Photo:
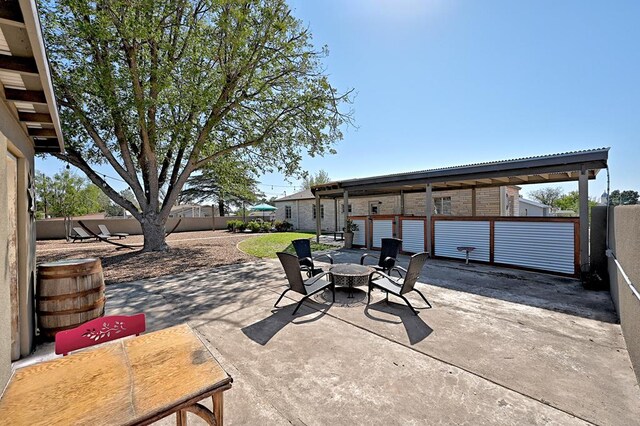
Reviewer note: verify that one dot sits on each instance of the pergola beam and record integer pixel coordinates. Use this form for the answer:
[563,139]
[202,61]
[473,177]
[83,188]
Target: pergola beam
[18,64]
[31,96]
[36,117]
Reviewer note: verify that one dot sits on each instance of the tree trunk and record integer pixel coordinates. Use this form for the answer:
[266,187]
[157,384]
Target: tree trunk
[221,206]
[154,234]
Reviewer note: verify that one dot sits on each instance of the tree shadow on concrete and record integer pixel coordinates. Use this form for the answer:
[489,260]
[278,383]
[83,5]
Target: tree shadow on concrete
[417,330]
[264,330]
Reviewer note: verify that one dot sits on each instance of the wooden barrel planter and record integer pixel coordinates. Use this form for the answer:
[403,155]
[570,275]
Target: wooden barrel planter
[68,293]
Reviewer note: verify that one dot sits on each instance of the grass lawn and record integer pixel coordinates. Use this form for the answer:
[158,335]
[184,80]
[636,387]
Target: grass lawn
[267,245]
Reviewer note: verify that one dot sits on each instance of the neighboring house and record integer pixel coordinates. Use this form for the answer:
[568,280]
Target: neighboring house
[193,210]
[29,124]
[299,209]
[533,208]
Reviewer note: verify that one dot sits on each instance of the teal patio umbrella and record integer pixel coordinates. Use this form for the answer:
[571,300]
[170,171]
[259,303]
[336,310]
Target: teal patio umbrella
[263,208]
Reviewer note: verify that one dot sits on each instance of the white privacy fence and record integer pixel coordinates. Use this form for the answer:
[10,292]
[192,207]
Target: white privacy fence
[547,244]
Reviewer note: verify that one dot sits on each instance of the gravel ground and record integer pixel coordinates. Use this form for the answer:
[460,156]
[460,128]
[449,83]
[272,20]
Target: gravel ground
[189,251]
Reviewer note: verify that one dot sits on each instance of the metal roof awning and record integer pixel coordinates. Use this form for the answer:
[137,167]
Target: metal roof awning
[25,77]
[521,171]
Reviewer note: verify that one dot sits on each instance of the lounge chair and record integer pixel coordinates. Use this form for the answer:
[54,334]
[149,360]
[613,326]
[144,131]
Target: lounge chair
[399,286]
[296,283]
[303,250]
[388,255]
[80,235]
[104,233]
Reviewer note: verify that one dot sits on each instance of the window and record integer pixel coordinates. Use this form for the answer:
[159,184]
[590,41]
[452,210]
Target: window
[442,205]
[321,211]
[374,207]
[287,212]
[342,208]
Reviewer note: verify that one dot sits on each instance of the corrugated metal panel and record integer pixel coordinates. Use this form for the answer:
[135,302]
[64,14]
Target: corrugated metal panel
[450,234]
[413,236]
[381,229]
[542,245]
[359,235]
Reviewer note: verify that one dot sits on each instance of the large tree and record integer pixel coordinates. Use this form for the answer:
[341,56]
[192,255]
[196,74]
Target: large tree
[158,89]
[315,179]
[66,194]
[627,197]
[548,195]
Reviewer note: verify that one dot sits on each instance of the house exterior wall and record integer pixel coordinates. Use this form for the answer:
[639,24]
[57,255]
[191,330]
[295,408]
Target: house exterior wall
[13,140]
[624,241]
[527,209]
[488,203]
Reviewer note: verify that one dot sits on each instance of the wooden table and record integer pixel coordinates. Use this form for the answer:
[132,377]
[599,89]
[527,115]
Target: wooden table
[130,381]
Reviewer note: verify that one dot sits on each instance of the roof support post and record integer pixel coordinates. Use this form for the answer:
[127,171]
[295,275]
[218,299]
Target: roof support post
[335,214]
[583,191]
[429,207]
[345,208]
[318,219]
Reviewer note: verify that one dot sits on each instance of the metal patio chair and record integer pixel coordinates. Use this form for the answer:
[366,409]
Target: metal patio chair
[305,258]
[307,288]
[388,255]
[401,286]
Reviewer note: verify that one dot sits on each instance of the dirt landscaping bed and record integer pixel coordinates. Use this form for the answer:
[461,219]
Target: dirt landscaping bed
[189,251]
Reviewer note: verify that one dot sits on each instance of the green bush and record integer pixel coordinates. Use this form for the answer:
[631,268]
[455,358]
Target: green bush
[282,226]
[235,225]
[254,226]
[265,227]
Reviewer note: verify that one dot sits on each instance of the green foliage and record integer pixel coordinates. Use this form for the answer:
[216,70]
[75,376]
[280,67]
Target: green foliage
[548,195]
[254,226]
[351,226]
[627,197]
[236,225]
[265,227]
[161,89]
[282,226]
[317,179]
[266,246]
[571,201]
[67,194]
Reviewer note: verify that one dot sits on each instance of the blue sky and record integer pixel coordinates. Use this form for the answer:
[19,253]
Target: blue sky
[444,82]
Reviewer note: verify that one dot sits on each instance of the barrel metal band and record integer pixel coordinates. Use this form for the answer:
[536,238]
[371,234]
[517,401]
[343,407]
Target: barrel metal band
[71,295]
[97,304]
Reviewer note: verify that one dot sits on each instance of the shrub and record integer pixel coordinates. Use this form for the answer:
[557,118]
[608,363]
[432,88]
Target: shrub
[265,227]
[254,226]
[235,225]
[282,226]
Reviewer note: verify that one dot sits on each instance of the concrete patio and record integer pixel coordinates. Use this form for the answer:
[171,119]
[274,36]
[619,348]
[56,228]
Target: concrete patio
[498,347]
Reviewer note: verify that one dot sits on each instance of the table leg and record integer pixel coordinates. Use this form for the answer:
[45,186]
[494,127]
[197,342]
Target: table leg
[181,418]
[217,407]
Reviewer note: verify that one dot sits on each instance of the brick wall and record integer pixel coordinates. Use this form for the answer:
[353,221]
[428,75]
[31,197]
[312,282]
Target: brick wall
[487,204]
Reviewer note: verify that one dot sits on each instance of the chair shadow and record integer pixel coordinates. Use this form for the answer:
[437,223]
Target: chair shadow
[417,330]
[264,330]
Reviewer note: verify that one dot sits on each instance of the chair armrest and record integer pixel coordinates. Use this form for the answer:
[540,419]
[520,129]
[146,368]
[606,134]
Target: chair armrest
[327,255]
[398,269]
[313,279]
[365,255]
[390,278]
[306,261]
